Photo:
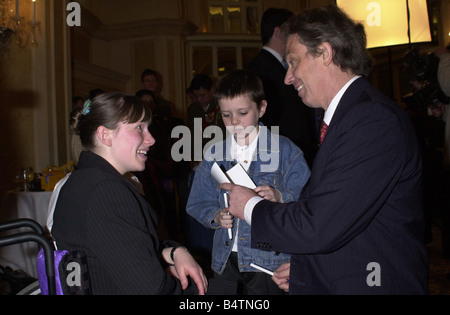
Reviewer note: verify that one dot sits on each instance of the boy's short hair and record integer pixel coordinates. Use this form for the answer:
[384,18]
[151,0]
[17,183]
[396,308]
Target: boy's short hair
[240,83]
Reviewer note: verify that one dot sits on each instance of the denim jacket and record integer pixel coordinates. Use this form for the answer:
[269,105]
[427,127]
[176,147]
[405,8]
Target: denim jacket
[278,163]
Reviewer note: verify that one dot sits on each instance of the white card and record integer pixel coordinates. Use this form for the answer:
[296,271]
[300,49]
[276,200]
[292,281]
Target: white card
[236,175]
[218,174]
[240,177]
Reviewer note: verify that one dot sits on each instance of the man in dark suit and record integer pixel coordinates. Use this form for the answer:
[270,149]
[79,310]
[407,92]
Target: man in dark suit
[358,226]
[284,108]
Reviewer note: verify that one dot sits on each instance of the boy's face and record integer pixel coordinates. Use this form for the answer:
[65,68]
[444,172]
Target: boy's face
[241,117]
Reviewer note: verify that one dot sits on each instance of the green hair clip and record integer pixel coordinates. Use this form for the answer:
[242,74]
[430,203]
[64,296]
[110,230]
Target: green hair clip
[86,107]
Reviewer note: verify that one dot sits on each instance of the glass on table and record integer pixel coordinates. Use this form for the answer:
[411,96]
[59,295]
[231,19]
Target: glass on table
[24,178]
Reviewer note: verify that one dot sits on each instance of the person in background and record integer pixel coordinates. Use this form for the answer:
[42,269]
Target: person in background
[284,108]
[444,69]
[444,82]
[190,95]
[240,96]
[159,173]
[203,113]
[358,226]
[151,80]
[204,108]
[100,212]
[149,177]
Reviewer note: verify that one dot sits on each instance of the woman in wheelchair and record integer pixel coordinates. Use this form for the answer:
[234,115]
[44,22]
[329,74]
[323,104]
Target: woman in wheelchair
[99,212]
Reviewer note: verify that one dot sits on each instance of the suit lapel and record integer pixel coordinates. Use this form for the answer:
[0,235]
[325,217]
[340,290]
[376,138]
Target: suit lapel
[350,97]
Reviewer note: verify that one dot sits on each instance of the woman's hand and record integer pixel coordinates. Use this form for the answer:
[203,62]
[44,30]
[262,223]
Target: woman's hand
[184,266]
[269,193]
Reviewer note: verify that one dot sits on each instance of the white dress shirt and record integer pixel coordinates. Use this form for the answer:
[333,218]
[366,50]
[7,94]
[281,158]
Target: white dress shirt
[243,155]
[274,53]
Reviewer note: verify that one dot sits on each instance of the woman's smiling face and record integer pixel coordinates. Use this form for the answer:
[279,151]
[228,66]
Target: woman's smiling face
[130,146]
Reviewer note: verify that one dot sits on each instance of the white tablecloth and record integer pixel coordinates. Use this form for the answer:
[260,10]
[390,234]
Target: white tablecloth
[18,205]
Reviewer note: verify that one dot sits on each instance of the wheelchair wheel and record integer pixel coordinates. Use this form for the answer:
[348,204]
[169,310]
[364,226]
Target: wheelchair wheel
[32,289]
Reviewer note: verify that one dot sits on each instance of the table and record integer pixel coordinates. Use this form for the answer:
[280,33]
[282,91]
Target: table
[18,205]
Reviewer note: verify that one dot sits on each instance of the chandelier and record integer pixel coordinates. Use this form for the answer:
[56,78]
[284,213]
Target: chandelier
[14,27]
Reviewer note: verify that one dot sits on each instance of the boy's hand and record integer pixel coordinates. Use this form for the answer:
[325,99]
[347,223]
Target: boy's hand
[269,193]
[224,218]
[238,198]
[281,276]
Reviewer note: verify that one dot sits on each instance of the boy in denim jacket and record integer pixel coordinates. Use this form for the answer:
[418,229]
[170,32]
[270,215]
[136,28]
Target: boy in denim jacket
[274,163]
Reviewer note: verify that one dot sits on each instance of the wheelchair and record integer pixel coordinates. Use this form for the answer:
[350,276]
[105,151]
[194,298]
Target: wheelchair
[37,235]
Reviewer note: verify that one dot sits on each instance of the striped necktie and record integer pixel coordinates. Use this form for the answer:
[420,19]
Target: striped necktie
[323,131]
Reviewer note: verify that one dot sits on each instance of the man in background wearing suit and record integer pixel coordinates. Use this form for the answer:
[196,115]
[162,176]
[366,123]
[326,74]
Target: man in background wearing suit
[284,108]
[358,225]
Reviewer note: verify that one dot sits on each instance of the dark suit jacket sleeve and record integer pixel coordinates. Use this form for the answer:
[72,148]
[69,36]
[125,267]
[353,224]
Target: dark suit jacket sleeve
[351,180]
[133,261]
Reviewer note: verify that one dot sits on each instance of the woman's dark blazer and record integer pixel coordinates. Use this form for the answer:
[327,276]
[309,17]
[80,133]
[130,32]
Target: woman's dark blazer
[100,212]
